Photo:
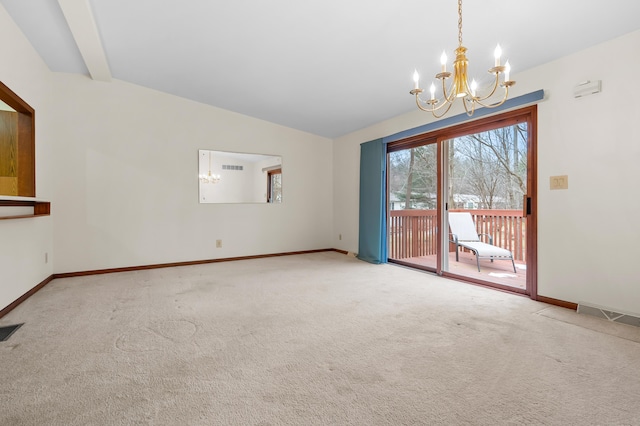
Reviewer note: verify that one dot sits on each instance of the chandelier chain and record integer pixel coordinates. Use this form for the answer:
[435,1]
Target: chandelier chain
[460,22]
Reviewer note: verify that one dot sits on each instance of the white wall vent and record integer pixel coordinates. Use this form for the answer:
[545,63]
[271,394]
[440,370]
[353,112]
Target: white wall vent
[587,88]
[231,167]
[609,314]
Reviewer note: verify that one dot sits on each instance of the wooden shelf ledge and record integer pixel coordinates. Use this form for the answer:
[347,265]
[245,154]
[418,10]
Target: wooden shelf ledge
[40,208]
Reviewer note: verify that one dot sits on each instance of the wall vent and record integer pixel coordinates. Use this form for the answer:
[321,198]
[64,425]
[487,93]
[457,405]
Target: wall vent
[7,331]
[587,88]
[231,167]
[609,314]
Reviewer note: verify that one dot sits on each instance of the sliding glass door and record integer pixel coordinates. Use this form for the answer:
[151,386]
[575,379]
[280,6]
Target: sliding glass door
[485,185]
[413,205]
[475,183]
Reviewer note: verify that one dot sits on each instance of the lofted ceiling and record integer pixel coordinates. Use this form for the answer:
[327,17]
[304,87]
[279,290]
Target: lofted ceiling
[326,67]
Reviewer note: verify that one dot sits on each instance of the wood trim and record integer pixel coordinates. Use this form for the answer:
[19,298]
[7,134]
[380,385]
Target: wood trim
[486,284]
[187,263]
[40,208]
[558,302]
[412,265]
[532,192]
[31,292]
[14,101]
[526,114]
[441,151]
[18,301]
[26,141]
[473,126]
[25,296]
[26,155]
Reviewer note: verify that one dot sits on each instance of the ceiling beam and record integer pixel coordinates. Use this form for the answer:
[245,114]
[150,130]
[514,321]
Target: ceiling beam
[85,32]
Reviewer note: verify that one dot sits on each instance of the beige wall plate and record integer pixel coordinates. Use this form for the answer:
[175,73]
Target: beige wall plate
[559,182]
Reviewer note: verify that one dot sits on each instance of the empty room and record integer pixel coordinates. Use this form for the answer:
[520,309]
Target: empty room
[319,213]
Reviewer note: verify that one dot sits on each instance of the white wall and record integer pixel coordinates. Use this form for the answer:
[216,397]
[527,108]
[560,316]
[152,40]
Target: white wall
[127,189]
[586,237]
[24,242]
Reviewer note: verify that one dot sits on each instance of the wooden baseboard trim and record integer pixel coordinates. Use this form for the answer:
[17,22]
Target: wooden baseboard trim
[14,304]
[18,301]
[25,296]
[31,292]
[188,263]
[558,302]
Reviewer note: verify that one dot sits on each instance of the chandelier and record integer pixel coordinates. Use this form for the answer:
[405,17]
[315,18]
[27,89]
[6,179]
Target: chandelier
[460,87]
[209,178]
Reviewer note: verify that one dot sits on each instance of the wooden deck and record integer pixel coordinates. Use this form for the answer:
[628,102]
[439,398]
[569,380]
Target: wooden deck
[498,271]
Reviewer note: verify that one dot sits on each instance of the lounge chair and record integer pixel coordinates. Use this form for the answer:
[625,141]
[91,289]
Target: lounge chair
[464,234]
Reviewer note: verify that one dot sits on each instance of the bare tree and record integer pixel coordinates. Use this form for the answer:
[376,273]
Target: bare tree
[490,167]
[495,162]
[412,177]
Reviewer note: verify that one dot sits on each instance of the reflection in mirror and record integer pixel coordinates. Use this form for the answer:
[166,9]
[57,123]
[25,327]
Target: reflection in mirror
[234,177]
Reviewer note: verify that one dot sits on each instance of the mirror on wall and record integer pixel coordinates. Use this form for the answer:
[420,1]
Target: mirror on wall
[235,177]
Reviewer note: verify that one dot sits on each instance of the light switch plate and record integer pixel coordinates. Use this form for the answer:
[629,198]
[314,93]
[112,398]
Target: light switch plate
[559,182]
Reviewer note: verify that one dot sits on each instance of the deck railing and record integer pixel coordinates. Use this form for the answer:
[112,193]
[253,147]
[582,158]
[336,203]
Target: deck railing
[412,233]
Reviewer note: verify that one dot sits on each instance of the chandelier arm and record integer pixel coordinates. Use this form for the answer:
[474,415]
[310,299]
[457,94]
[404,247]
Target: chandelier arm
[504,99]
[465,100]
[418,100]
[432,103]
[451,96]
[449,104]
[493,90]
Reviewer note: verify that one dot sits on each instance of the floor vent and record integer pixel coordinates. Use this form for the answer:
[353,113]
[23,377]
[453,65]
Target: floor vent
[8,330]
[609,315]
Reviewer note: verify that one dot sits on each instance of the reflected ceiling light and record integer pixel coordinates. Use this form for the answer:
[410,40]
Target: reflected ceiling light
[209,178]
[460,86]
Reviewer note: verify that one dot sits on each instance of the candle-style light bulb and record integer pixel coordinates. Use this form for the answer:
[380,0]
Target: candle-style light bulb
[443,61]
[497,53]
[416,79]
[432,89]
[474,86]
[507,70]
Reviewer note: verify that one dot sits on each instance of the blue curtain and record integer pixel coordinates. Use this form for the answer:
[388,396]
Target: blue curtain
[372,243]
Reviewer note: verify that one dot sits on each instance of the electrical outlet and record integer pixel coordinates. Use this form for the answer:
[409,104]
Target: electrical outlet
[218,243]
[340,236]
[46,257]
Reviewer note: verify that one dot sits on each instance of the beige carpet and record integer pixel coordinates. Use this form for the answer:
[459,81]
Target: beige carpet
[318,339]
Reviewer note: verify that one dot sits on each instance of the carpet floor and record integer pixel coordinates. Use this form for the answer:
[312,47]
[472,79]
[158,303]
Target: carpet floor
[314,339]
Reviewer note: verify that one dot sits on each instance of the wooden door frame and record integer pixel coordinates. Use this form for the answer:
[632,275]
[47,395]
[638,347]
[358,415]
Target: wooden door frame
[528,115]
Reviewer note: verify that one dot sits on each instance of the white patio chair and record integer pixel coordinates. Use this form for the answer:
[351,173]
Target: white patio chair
[464,234]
